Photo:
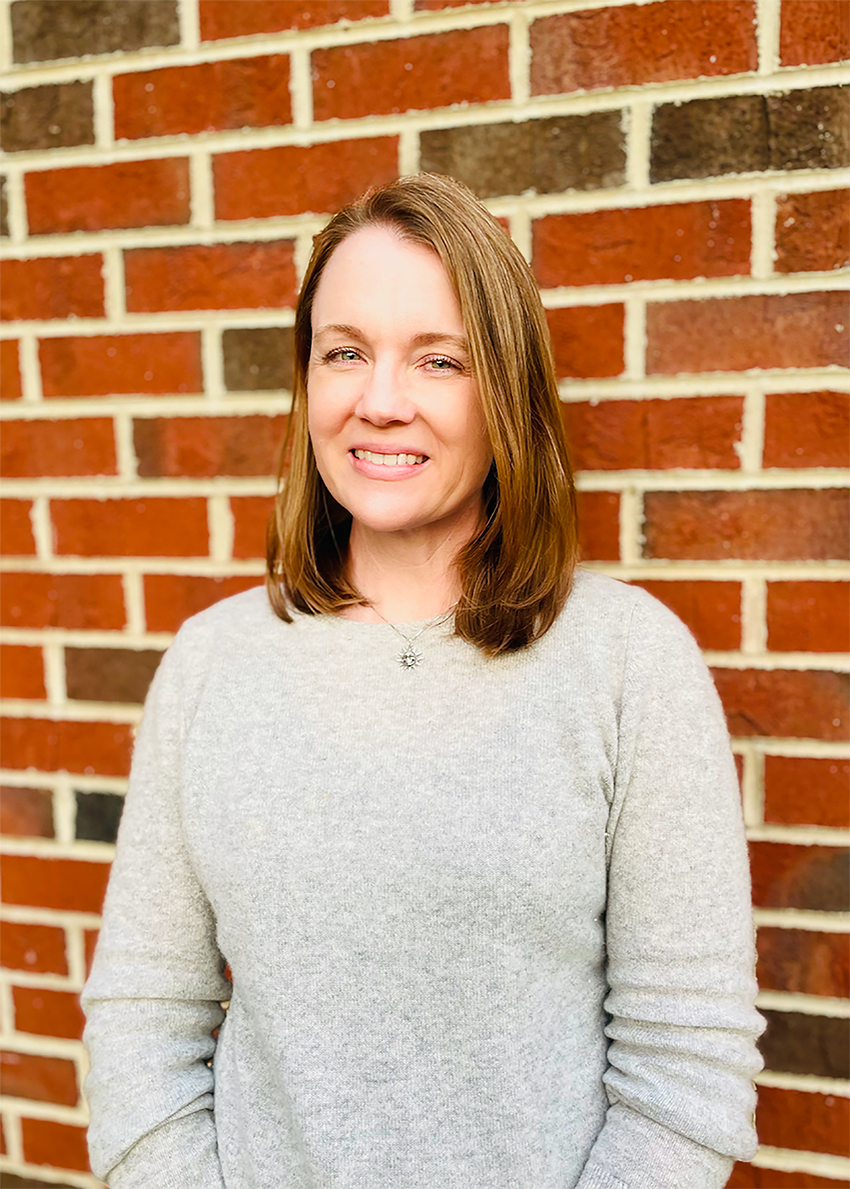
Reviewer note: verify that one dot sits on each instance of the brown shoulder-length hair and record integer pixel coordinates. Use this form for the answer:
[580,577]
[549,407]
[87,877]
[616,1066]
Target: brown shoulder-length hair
[515,575]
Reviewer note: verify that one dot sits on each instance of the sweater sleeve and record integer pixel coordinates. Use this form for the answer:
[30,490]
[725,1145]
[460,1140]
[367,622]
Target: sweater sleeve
[682,1023]
[153,996]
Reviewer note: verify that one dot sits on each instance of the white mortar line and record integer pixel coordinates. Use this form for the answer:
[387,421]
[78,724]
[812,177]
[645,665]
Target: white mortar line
[113,282]
[72,711]
[6,63]
[104,113]
[520,225]
[631,525]
[797,918]
[33,915]
[763,213]
[202,213]
[42,529]
[14,1138]
[807,1082]
[806,1005]
[64,812]
[31,392]
[212,366]
[767,34]
[752,794]
[638,124]
[754,616]
[16,215]
[634,333]
[125,452]
[49,848]
[134,599]
[752,433]
[190,31]
[301,87]
[303,251]
[75,950]
[54,673]
[408,152]
[221,527]
[519,58]
[401,10]
[800,835]
[785,1160]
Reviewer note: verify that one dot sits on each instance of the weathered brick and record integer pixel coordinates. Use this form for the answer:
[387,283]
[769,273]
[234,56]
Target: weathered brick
[809,129]
[21,671]
[110,674]
[150,527]
[588,341]
[51,287]
[37,948]
[16,535]
[583,152]
[813,230]
[211,277]
[49,117]
[813,31]
[222,18]
[599,525]
[204,447]
[794,1042]
[258,359]
[803,961]
[250,516]
[121,364]
[10,370]
[207,97]
[47,1012]
[610,247]
[786,703]
[807,429]
[294,178]
[78,446]
[43,30]
[415,73]
[620,435]
[87,748]
[712,610]
[45,1079]
[808,616]
[806,791]
[60,1145]
[172,598]
[635,44]
[26,812]
[750,1176]
[69,884]
[153,193]
[98,816]
[801,1119]
[74,601]
[726,334]
[806,877]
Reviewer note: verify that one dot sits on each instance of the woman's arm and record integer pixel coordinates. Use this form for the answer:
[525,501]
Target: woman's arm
[679,931]
[152,999]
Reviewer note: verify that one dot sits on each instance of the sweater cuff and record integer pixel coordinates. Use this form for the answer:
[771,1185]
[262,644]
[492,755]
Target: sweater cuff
[180,1153]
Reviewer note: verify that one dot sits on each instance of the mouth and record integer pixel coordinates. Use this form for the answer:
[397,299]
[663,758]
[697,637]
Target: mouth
[390,460]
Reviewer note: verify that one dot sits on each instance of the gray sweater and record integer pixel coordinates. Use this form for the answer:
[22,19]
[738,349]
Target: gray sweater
[488,920]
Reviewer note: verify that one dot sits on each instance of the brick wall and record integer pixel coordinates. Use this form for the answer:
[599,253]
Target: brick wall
[670,170]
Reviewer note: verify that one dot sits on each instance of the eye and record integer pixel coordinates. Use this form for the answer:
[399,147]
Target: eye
[442,363]
[341,355]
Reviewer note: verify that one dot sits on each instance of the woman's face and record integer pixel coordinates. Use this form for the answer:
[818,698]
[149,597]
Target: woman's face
[393,408]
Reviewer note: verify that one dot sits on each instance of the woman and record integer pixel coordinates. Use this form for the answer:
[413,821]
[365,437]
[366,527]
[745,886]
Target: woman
[463,822]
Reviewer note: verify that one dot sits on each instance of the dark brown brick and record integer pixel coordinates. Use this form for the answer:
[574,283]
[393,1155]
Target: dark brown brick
[583,152]
[806,877]
[110,674]
[813,231]
[4,208]
[203,447]
[809,129]
[707,137]
[26,812]
[98,816]
[43,30]
[803,961]
[798,1043]
[258,359]
[47,117]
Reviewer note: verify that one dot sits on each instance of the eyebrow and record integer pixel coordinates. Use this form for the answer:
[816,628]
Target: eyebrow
[426,339]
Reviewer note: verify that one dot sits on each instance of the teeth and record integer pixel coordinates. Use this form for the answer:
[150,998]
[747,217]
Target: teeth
[390,460]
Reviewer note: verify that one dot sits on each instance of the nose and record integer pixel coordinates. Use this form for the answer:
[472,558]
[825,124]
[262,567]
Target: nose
[383,397]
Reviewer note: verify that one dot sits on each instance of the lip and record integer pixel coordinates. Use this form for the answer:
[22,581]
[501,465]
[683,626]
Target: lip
[373,470]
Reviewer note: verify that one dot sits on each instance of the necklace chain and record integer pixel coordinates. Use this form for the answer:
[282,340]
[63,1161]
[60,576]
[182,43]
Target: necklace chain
[410,657]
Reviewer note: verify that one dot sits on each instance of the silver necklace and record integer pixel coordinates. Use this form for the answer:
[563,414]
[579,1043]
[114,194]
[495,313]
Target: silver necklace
[410,657]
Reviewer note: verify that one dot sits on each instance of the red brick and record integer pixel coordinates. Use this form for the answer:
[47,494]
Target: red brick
[90,937]
[211,277]
[753,525]
[88,748]
[798,1119]
[813,231]
[51,287]
[48,1013]
[171,598]
[807,429]
[734,334]
[748,1176]
[152,193]
[712,610]
[121,364]
[21,671]
[204,447]
[609,247]
[808,616]
[82,446]
[54,883]
[250,516]
[150,527]
[207,97]
[223,18]
[805,791]
[814,31]
[807,877]
[75,601]
[16,527]
[295,178]
[10,370]
[803,961]
[587,341]
[787,703]
[599,525]
[416,73]
[45,1079]
[25,812]
[37,948]
[59,1145]
[635,44]
[622,435]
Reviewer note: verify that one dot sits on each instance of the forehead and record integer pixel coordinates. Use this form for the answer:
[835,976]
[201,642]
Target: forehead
[376,274]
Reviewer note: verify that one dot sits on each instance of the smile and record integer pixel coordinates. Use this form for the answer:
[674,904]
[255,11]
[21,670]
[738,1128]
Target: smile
[390,460]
